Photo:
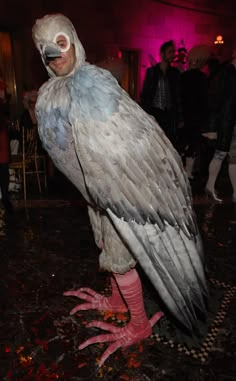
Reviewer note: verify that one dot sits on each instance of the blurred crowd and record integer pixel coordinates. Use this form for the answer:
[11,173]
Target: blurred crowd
[192,97]
[11,141]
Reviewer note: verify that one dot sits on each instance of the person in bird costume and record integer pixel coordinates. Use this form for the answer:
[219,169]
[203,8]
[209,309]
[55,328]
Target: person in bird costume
[132,178]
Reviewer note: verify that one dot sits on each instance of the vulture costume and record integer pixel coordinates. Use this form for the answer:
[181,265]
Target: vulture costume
[132,178]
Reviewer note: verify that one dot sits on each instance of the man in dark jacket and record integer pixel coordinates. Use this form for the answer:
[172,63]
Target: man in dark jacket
[225,125]
[161,96]
[195,105]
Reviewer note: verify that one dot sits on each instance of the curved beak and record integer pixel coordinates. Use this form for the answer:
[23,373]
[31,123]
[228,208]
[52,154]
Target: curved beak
[50,52]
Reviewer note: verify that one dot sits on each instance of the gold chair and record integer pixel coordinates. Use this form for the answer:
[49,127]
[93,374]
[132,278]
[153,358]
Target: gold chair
[30,161]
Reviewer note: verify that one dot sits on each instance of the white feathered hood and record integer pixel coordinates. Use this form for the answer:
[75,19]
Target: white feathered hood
[45,31]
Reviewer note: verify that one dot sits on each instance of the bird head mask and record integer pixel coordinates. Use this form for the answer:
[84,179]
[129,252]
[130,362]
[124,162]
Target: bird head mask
[53,35]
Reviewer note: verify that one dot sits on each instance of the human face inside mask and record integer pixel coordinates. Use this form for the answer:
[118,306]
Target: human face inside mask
[64,64]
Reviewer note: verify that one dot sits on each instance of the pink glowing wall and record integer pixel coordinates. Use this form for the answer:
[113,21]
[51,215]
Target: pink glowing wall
[145,25]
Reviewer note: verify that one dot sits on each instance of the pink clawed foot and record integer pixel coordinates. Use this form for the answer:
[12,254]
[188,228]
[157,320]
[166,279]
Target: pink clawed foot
[120,337]
[95,301]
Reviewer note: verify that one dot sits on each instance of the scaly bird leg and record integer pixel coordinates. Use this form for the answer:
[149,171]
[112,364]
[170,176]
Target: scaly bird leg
[138,328]
[97,301]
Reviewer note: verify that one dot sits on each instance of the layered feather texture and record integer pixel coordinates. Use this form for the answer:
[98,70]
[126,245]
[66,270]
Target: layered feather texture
[131,171]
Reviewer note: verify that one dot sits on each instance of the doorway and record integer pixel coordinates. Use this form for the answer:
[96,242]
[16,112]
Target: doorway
[130,82]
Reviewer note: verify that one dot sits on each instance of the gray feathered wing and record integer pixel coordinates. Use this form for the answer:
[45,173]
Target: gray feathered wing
[132,171]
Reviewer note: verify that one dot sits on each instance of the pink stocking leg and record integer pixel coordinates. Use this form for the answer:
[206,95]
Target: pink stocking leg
[116,300]
[131,289]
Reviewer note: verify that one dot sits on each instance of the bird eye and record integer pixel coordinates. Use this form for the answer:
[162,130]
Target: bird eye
[63,42]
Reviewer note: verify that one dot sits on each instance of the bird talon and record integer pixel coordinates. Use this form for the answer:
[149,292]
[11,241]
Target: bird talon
[120,337]
[96,301]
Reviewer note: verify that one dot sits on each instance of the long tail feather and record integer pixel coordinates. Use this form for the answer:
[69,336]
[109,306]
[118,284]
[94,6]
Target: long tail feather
[173,263]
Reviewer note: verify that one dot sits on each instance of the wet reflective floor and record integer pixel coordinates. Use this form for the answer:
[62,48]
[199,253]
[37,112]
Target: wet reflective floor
[48,248]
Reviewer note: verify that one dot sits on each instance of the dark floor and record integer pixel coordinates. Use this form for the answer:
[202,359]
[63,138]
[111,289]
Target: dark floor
[48,248]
